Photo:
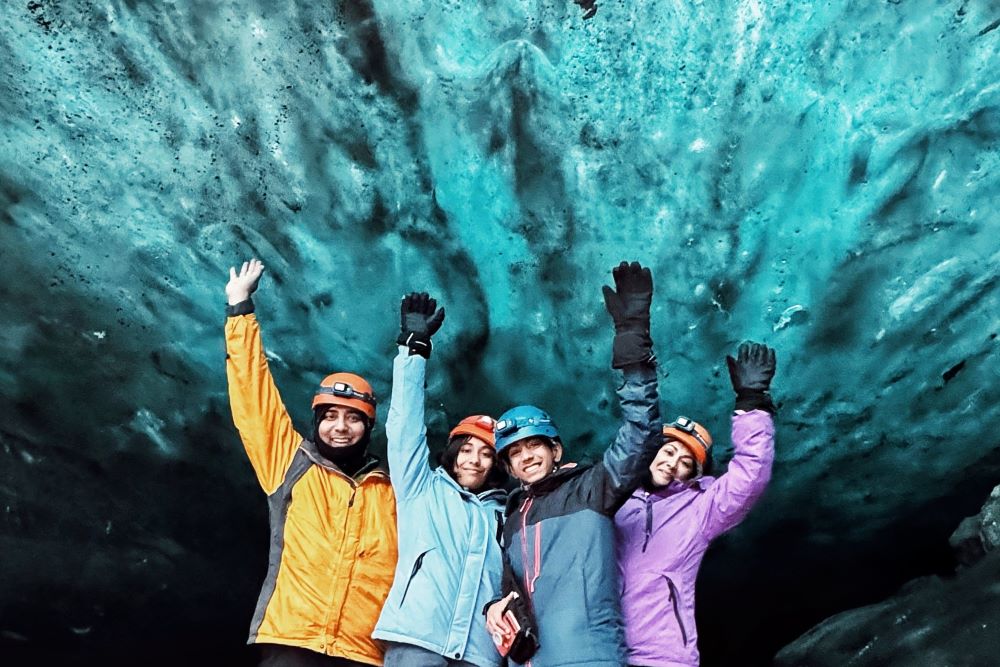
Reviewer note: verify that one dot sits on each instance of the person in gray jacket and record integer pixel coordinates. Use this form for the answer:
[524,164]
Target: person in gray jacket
[559,537]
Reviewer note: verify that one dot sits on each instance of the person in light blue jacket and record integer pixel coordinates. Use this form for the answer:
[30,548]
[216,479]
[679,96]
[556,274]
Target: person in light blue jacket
[449,519]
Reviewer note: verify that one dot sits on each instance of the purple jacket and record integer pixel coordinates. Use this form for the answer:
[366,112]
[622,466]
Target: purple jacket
[662,537]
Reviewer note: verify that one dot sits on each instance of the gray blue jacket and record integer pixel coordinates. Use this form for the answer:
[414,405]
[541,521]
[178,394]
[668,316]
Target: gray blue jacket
[450,563]
[559,537]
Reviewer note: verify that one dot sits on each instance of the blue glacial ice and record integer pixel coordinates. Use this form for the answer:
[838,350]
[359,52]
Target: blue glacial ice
[824,177]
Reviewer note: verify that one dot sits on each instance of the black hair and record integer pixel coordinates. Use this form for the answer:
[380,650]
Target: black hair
[706,468]
[495,479]
[504,456]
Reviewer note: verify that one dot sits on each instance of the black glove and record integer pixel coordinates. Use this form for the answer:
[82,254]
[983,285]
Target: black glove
[629,307]
[589,8]
[751,372]
[418,321]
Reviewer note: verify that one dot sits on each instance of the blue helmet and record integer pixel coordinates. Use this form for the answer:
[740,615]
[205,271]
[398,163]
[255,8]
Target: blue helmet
[522,422]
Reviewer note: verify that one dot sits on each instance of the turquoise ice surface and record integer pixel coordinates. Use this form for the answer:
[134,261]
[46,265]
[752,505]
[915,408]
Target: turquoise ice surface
[822,177]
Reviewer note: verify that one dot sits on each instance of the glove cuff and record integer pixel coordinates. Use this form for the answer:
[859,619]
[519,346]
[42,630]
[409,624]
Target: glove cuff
[755,400]
[633,324]
[631,347]
[417,343]
[241,308]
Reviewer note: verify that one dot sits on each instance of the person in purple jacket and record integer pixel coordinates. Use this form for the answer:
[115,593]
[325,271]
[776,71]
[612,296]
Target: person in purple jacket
[664,528]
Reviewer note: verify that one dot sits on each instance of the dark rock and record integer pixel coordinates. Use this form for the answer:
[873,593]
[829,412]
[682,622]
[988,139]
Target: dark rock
[989,522]
[965,542]
[953,621]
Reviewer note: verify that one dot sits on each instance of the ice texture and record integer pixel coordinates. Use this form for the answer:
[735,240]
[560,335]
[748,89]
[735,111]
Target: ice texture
[822,177]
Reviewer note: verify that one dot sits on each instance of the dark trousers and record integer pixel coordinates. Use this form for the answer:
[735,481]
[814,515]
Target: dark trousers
[407,655]
[276,655]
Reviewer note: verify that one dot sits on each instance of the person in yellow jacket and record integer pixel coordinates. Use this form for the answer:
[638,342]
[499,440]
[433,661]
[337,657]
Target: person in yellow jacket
[332,509]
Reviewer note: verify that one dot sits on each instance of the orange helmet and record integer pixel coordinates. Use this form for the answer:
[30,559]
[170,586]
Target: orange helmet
[347,389]
[479,426]
[692,435]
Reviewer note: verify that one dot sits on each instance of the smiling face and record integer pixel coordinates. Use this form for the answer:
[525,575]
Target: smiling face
[533,458]
[672,462]
[473,463]
[341,426]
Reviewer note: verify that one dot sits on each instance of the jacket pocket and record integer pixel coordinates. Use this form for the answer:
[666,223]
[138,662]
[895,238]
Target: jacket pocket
[417,564]
[675,602]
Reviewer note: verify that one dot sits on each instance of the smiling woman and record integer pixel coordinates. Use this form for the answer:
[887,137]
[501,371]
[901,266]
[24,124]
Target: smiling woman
[433,617]
[663,530]
[471,459]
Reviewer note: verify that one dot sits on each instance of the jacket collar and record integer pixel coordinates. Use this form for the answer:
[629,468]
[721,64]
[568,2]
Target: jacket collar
[545,485]
[674,488]
[497,495]
[372,462]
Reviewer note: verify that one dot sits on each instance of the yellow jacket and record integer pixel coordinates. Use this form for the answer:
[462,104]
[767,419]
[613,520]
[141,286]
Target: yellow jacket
[333,540]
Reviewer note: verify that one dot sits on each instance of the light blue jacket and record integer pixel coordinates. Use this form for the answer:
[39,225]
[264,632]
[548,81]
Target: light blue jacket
[450,562]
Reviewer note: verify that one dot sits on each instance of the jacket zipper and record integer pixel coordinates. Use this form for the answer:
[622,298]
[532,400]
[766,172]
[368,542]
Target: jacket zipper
[416,568]
[677,610]
[354,483]
[649,522]
[529,584]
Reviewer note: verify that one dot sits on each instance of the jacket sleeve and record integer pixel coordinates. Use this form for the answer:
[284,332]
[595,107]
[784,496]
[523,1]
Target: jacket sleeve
[638,438]
[733,494]
[508,582]
[405,429]
[266,429]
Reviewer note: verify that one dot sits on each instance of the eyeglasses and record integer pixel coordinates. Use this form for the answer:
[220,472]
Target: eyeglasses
[686,424]
[344,390]
[508,426]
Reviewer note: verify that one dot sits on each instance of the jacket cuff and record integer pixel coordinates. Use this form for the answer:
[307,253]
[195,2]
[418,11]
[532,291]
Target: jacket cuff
[417,343]
[631,347]
[643,370]
[241,308]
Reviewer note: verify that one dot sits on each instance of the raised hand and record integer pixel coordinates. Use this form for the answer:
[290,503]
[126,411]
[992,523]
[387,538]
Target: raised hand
[751,372]
[241,285]
[629,305]
[419,319]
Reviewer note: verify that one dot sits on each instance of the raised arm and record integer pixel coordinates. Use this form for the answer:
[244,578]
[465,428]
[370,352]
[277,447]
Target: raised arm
[265,428]
[632,351]
[732,496]
[405,427]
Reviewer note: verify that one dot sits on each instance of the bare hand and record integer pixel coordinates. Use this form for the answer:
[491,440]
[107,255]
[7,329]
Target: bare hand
[242,285]
[495,622]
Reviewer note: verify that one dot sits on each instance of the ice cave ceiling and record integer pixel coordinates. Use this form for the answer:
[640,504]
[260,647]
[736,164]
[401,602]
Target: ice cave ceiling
[823,177]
